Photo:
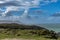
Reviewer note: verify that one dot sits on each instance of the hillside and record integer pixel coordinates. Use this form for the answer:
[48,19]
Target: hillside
[20,26]
[14,30]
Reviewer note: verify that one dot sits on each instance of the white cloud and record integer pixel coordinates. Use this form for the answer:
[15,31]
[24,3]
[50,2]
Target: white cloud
[4,1]
[48,1]
[57,14]
[10,8]
[54,0]
[24,4]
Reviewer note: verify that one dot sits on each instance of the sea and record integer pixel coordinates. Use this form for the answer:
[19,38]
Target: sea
[54,27]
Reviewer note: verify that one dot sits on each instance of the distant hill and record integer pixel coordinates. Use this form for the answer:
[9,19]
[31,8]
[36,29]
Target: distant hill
[20,26]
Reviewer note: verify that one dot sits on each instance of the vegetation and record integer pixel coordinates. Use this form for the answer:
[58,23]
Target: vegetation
[25,31]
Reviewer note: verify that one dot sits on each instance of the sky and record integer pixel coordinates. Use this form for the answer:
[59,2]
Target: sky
[30,11]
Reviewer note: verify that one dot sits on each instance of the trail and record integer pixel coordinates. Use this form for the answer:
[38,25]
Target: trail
[26,39]
[16,39]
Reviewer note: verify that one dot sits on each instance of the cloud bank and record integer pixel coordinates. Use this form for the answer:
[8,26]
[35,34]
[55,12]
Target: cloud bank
[6,6]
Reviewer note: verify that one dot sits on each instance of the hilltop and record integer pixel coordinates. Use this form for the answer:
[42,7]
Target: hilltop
[20,26]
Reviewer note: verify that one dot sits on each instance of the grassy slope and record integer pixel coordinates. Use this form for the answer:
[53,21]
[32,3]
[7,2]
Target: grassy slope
[25,34]
[22,31]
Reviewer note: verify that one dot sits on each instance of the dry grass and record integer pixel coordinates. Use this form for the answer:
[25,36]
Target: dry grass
[17,39]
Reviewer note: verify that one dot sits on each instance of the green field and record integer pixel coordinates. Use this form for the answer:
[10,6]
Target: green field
[24,34]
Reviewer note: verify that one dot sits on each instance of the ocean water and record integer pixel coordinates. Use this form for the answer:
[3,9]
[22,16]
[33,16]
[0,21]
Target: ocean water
[54,27]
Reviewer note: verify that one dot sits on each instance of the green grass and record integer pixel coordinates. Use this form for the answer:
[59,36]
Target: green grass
[25,34]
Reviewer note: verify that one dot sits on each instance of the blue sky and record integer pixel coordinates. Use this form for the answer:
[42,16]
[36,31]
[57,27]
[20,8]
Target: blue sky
[51,8]
[30,11]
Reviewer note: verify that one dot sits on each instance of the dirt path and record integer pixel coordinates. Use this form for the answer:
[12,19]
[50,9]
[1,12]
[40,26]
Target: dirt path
[16,39]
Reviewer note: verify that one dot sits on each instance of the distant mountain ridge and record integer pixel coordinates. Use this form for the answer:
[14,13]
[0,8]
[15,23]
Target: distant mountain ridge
[20,26]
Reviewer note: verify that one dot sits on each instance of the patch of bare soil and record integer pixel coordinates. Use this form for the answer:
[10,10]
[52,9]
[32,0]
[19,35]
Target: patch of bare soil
[16,39]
